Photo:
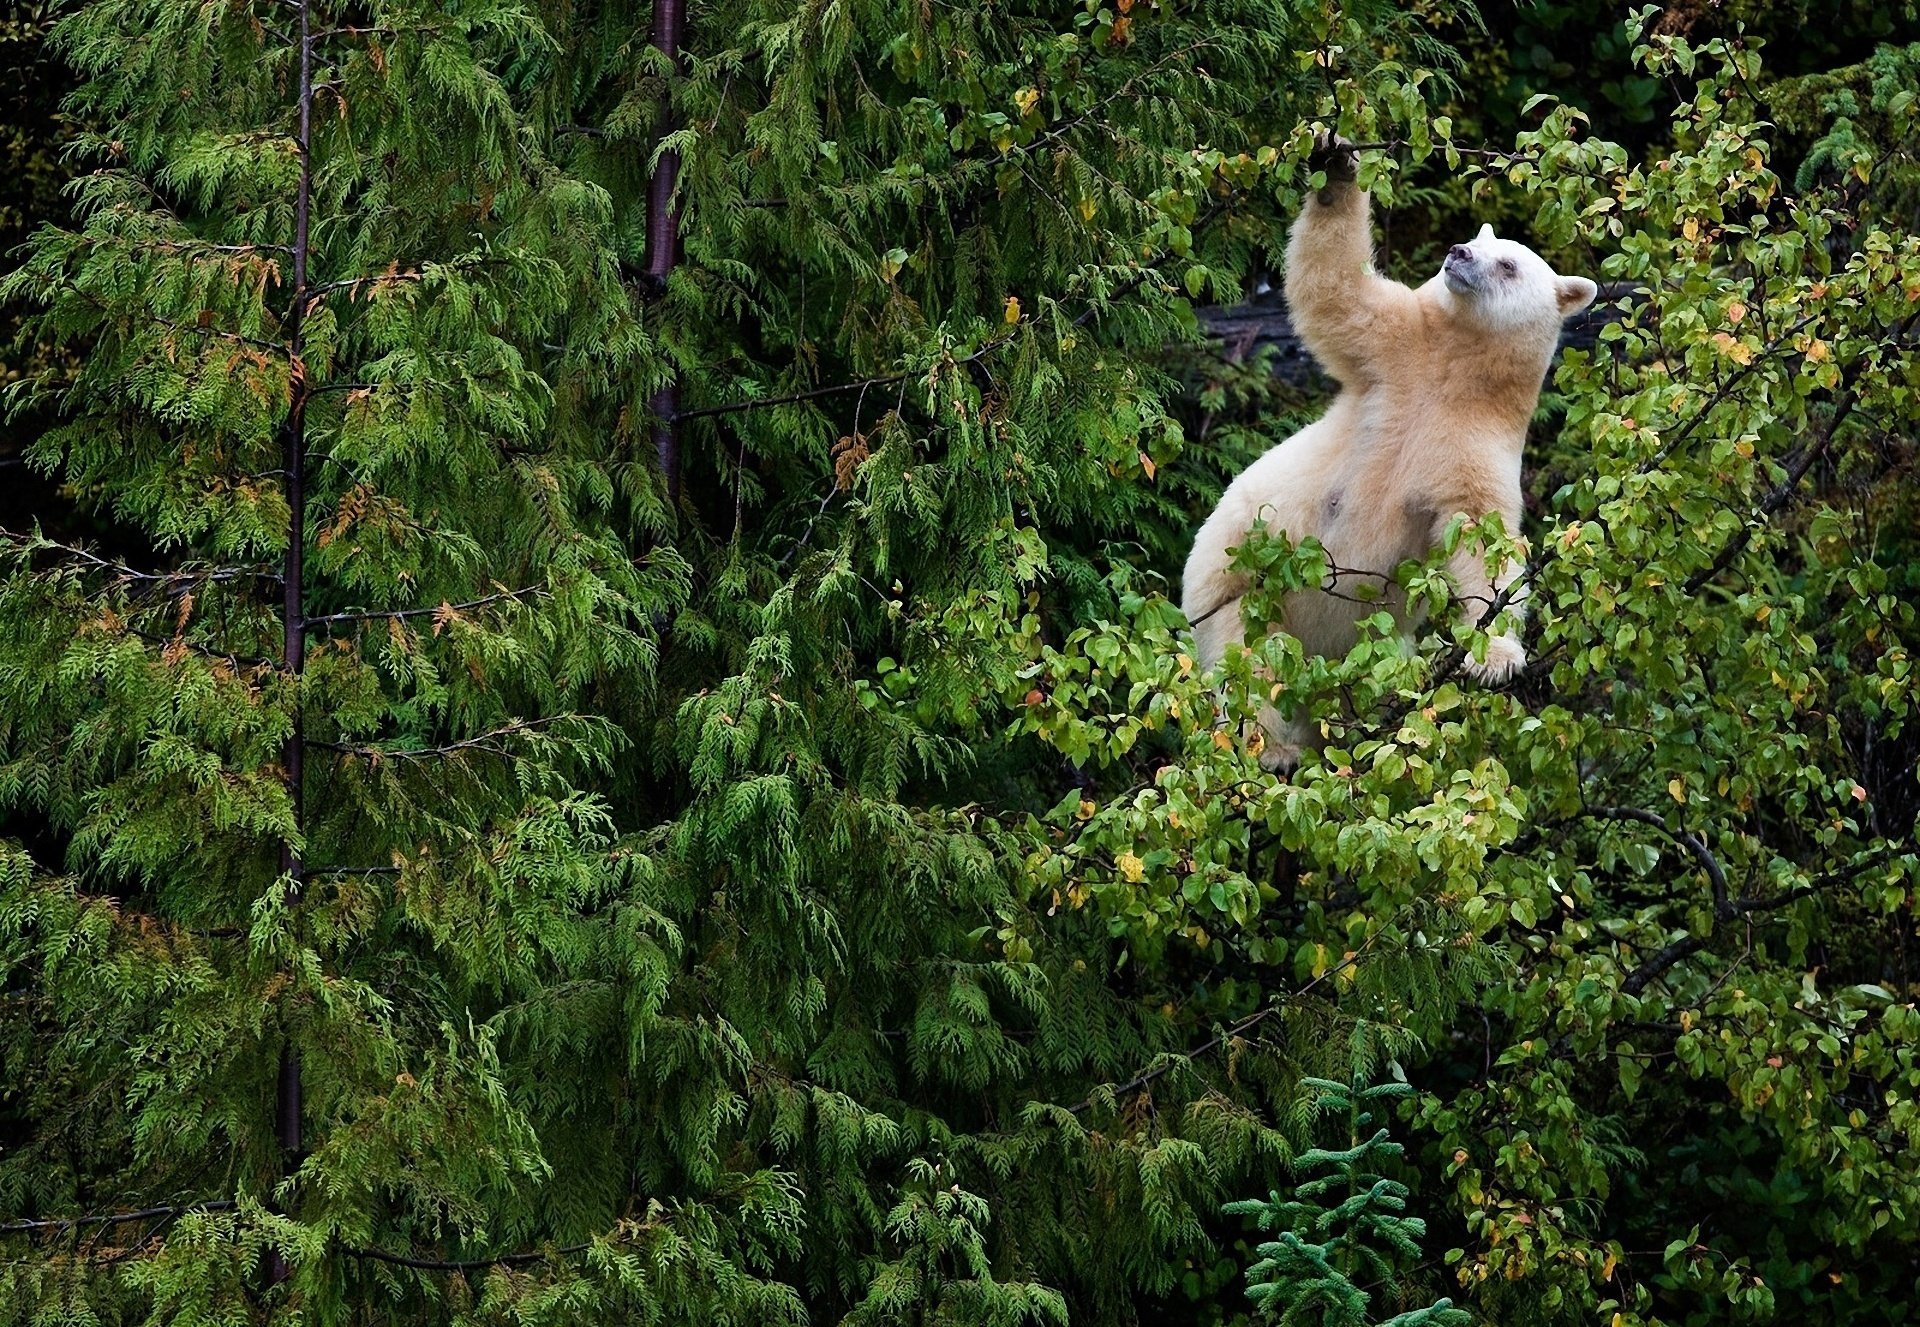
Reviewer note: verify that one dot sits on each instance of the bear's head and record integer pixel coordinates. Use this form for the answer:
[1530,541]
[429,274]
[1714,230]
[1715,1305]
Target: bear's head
[1506,286]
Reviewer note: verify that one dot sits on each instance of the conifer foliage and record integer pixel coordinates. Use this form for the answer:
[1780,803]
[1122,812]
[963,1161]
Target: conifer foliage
[1348,1221]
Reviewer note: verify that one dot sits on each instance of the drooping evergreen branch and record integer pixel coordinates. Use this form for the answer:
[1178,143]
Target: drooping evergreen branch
[992,345]
[109,1219]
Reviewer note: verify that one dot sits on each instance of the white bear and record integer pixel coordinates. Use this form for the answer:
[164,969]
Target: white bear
[1437,386]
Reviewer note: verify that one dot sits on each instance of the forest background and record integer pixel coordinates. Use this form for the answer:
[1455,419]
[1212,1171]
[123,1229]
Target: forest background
[571,759]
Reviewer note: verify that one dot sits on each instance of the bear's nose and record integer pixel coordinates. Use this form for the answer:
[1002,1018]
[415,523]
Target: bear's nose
[1460,253]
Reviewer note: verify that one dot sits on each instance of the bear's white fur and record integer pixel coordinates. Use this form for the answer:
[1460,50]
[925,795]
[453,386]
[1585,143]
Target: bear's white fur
[1437,386]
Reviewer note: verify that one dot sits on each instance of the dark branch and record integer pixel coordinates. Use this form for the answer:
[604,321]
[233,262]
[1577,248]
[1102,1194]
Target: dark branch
[466,1264]
[116,1218]
[1693,843]
[487,743]
[1233,1033]
[383,615]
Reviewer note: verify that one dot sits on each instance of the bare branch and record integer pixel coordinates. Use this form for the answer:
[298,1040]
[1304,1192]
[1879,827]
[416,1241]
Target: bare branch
[487,743]
[466,1264]
[1233,1033]
[116,1218]
[382,615]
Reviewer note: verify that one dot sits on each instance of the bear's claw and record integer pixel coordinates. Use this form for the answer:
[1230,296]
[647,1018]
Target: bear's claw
[1334,155]
[1505,657]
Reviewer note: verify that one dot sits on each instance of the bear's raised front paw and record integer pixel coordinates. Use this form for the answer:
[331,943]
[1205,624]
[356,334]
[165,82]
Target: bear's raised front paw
[1334,155]
[1505,657]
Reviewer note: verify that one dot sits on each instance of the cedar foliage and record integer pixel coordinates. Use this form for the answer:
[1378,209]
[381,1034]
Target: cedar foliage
[820,887]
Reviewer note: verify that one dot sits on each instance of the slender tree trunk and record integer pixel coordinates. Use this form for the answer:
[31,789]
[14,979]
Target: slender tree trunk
[663,248]
[294,477]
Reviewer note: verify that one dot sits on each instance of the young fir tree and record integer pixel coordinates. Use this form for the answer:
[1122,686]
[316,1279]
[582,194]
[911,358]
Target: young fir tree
[1344,1236]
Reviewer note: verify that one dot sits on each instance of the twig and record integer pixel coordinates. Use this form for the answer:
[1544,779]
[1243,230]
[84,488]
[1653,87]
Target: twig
[1233,1033]
[116,1218]
[378,615]
[465,1264]
[1693,843]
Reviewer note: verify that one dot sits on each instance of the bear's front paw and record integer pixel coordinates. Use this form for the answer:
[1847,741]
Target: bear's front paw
[1334,155]
[1505,657]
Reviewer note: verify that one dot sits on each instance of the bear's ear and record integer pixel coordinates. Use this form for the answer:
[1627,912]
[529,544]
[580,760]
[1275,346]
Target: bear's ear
[1574,294]
[1486,233]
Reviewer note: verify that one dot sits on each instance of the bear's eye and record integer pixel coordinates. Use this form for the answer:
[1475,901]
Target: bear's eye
[1507,268]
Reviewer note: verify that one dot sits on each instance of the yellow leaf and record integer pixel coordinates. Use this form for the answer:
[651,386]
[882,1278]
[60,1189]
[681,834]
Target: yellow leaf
[1087,209]
[1737,351]
[1735,312]
[1013,309]
[1086,811]
[1606,1270]
[1131,867]
[1221,740]
[1690,228]
[1146,463]
[1026,99]
[1678,789]
[1817,351]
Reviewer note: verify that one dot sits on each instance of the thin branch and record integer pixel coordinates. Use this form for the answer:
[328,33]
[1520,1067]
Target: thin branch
[463,1265]
[1693,843]
[1233,1033]
[1638,980]
[836,389]
[1844,875]
[1777,498]
[382,615]
[116,1218]
[183,577]
[486,743]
